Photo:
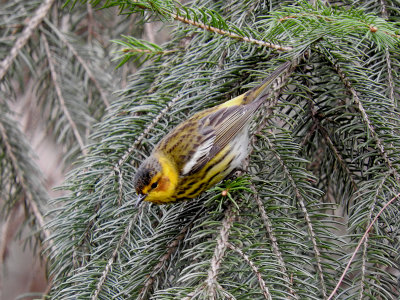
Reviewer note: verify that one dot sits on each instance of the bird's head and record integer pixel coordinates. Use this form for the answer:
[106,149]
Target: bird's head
[156,180]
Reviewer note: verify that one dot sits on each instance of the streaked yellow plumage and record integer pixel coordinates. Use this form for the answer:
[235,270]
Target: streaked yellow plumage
[202,150]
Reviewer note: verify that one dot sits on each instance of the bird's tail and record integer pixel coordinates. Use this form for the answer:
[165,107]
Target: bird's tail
[255,93]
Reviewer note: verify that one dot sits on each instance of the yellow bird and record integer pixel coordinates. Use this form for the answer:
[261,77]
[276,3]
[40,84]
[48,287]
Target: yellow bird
[202,150]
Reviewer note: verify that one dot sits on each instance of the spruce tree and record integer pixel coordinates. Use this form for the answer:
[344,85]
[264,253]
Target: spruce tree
[314,216]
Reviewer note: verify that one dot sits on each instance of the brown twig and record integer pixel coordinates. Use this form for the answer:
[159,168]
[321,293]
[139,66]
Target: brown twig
[84,64]
[274,242]
[261,282]
[211,282]
[367,121]
[163,52]
[230,34]
[359,245]
[114,255]
[33,23]
[90,21]
[332,146]
[39,218]
[306,215]
[61,98]
[219,251]
[171,247]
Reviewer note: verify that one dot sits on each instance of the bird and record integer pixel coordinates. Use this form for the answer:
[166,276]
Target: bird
[202,150]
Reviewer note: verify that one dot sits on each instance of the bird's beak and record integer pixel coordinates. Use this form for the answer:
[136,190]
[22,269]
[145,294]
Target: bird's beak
[140,199]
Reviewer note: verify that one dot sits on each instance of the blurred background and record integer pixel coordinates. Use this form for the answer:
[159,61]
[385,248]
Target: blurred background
[68,52]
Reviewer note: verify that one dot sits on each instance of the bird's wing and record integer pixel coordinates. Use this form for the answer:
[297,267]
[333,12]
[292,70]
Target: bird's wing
[221,126]
[217,130]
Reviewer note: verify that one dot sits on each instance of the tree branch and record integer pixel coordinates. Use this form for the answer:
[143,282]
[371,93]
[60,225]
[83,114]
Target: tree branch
[83,63]
[171,248]
[33,23]
[261,282]
[61,98]
[222,243]
[303,207]
[365,247]
[274,242]
[20,176]
[332,146]
[219,251]
[366,120]
[359,245]
[114,255]
[230,34]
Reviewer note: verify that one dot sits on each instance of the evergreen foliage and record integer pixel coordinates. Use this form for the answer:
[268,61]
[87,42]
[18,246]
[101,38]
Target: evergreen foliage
[325,160]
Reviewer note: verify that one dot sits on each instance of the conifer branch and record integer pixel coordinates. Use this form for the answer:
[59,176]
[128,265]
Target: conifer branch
[60,96]
[90,21]
[390,77]
[363,266]
[211,284]
[215,29]
[120,185]
[274,242]
[384,9]
[332,146]
[230,34]
[146,131]
[83,63]
[261,282]
[332,20]
[306,215]
[310,229]
[28,196]
[365,243]
[186,269]
[171,248]
[114,255]
[219,251]
[367,121]
[147,51]
[360,243]
[33,23]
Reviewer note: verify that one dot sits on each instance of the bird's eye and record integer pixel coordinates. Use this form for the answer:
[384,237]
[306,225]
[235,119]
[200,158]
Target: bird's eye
[154,185]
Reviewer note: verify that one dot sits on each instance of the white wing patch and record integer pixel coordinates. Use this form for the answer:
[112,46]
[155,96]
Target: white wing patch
[203,151]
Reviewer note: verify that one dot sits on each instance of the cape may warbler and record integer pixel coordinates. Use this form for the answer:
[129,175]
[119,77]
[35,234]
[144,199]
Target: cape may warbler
[202,150]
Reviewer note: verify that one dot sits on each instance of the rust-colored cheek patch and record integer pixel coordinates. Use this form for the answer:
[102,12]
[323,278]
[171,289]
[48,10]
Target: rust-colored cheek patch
[163,184]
